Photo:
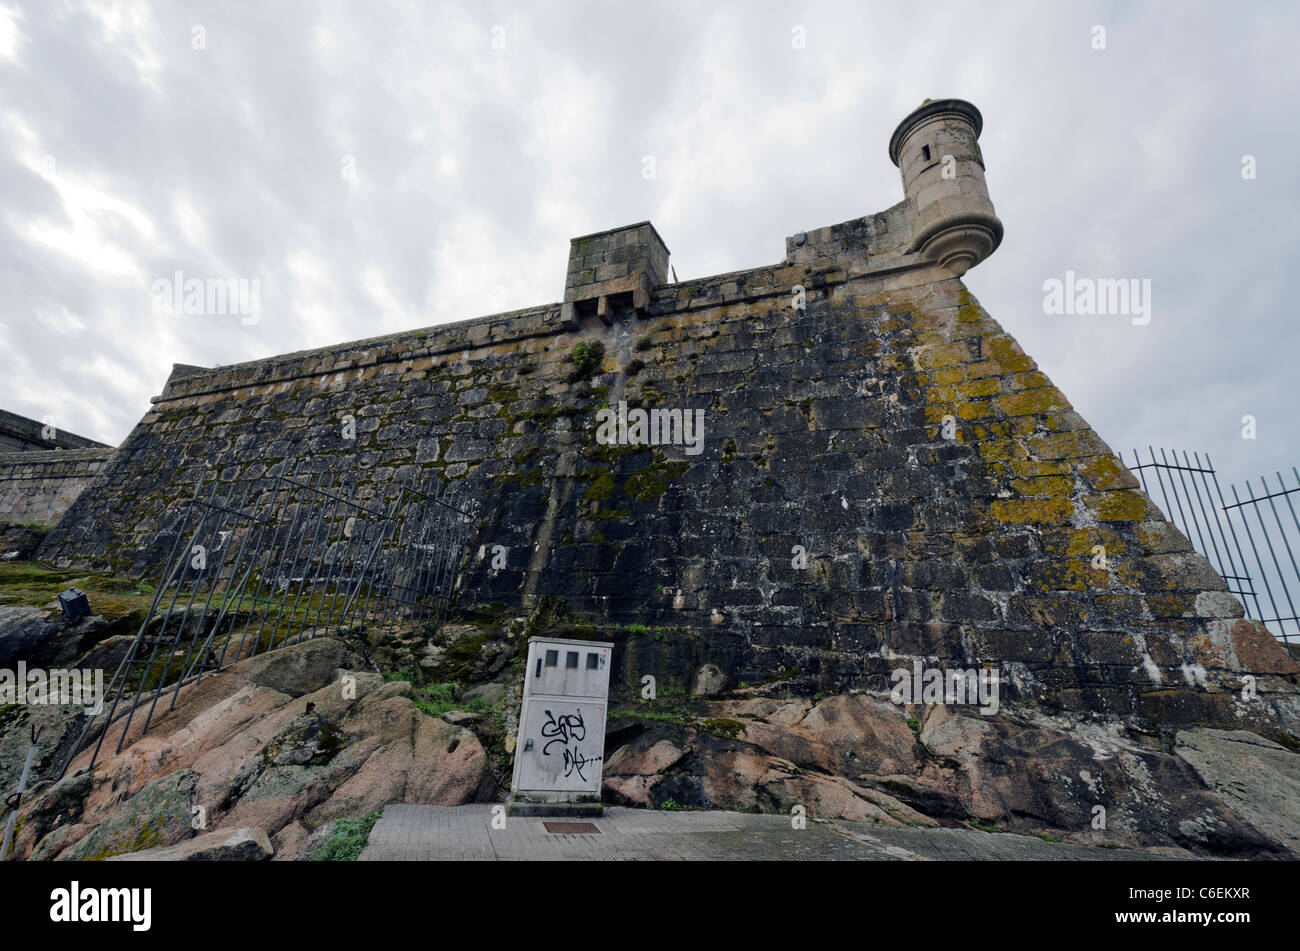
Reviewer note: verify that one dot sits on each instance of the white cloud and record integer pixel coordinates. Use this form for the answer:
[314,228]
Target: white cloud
[10,35]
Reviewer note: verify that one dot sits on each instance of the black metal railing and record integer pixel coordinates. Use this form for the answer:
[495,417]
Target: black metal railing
[1250,541]
[250,572]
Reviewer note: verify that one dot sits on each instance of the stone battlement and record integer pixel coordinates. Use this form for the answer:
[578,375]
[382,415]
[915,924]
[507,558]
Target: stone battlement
[624,271]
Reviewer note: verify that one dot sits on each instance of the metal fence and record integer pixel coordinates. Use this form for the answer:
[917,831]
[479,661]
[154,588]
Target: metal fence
[251,571]
[1252,540]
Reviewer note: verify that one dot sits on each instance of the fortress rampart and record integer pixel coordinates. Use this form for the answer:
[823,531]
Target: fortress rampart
[860,407]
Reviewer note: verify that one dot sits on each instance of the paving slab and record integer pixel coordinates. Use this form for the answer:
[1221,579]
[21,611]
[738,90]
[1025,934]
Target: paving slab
[407,832]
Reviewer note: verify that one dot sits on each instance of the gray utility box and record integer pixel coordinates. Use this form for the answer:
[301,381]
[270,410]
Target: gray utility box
[559,754]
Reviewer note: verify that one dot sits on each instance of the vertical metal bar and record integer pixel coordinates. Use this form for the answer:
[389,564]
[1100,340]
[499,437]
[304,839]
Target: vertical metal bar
[339,545]
[308,542]
[1169,512]
[325,571]
[119,678]
[1263,574]
[447,537]
[187,562]
[373,565]
[273,518]
[256,580]
[1209,528]
[391,538]
[461,521]
[417,575]
[343,554]
[369,532]
[274,561]
[18,796]
[176,581]
[1218,522]
[382,527]
[1281,575]
[291,541]
[443,533]
[398,554]
[1245,569]
[418,518]
[402,575]
[313,546]
[207,605]
[235,587]
[447,556]
[402,536]
[1183,483]
[199,576]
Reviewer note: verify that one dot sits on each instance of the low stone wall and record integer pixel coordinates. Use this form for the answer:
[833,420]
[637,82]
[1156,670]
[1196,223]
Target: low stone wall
[20,434]
[39,486]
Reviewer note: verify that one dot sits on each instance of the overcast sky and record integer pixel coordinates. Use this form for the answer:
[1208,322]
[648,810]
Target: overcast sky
[381,167]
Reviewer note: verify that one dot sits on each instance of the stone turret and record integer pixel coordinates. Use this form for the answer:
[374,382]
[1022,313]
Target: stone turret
[936,150]
[613,272]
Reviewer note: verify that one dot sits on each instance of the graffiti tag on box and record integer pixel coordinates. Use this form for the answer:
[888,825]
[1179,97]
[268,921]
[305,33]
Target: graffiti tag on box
[568,731]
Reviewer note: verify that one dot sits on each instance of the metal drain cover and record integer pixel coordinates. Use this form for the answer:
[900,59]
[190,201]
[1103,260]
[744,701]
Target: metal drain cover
[571,828]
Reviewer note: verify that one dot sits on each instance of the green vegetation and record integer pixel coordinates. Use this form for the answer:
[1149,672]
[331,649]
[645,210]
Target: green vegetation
[676,717]
[602,485]
[729,729]
[120,842]
[36,585]
[346,839]
[587,358]
[528,455]
[503,394]
[643,485]
[436,699]
[525,479]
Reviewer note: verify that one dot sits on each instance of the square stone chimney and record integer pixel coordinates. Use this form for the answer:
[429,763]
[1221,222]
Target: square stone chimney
[613,273]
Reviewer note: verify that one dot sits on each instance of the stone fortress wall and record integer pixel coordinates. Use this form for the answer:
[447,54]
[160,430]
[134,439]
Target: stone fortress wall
[860,407]
[43,469]
[38,487]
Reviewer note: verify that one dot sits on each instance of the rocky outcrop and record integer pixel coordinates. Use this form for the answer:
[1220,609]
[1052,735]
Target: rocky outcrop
[853,756]
[284,743]
[290,742]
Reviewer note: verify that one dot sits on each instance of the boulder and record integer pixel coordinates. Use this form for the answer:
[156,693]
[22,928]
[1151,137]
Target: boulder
[298,669]
[709,681]
[1052,774]
[1259,779]
[226,845]
[26,634]
[157,815]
